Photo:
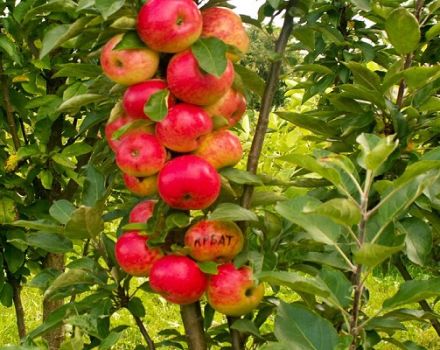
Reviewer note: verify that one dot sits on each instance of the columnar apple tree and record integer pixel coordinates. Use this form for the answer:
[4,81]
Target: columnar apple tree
[133,173]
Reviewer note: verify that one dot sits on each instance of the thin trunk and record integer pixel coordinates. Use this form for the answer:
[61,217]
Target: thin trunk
[19,310]
[144,333]
[193,323]
[54,337]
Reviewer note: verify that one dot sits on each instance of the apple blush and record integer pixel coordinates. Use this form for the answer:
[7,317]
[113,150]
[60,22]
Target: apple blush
[141,212]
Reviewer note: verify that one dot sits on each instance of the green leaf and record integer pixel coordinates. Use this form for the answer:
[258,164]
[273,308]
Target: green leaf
[156,108]
[71,278]
[76,149]
[339,286]
[6,295]
[375,151]
[210,53]
[274,346]
[403,30]
[294,281]
[241,177]
[300,211]
[108,7]
[44,279]
[364,76]
[208,267]
[251,80]
[46,178]
[84,223]
[39,225]
[63,161]
[62,210]
[10,48]
[246,326]
[309,121]
[413,291]
[372,255]
[299,328]
[418,239]
[433,31]
[73,104]
[78,70]
[94,187]
[50,242]
[136,307]
[341,211]
[87,322]
[14,258]
[362,4]
[110,340]
[8,211]
[316,68]
[58,35]
[129,41]
[232,212]
[417,77]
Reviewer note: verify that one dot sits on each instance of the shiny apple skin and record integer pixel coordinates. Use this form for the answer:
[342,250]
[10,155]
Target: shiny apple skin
[178,279]
[189,182]
[136,96]
[141,212]
[230,106]
[141,186]
[130,66]
[220,148]
[224,24]
[182,128]
[140,154]
[213,240]
[169,25]
[134,256]
[190,84]
[227,291]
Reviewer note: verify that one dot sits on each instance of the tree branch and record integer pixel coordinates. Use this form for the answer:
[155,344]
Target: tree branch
[193,323]
[266,105]
[4,81]
[18,305]
[144,333]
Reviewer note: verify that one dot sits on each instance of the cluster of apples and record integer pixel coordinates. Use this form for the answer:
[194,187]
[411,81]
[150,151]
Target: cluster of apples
[179,155]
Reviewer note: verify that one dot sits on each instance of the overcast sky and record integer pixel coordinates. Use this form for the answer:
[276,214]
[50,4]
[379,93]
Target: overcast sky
[247,7]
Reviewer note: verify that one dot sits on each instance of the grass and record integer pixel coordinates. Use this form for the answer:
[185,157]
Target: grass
[161,315]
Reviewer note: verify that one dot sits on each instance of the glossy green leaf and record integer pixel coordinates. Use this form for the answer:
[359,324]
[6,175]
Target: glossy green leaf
[76,149]
[295,281]
[94,187]
[418,239]
[46,178]
[251,80]
[71,278]
[339,286]
[75,103]
[50,242]
[232,212]
[241,177]
[364,76]
[63,161]
[10,48]
[39,225]
[78,70]
[157,105]
[62,210]
[318,227]
[417,77]
[208,267]
[372,255]
[210,53]
[299,328]
[84,223]
[87,322]
[340,210]
[110,340]
[433,32]
[246,326]
[375,151]
[136,307]
[8,211]
[316,68]
[413,291]
[14,258]
[6,295]
[403,30]
[108,7]
[60,34]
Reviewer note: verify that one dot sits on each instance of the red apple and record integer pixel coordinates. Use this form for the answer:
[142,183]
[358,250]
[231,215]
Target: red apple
[232,291]
[140,154]
[224,24]
[133,254]
[189,83]
[169,25]
[115,124]
[141,186]
[136,96]
[211,240]
[178,279]
[189,182]
[141,212]
[230,106]
[128,66]
[182,128]
[221,148]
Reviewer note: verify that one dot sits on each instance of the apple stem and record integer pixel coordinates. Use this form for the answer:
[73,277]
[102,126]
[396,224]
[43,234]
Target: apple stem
[193,323]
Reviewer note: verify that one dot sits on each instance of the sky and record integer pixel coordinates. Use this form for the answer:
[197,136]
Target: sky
[247,7]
